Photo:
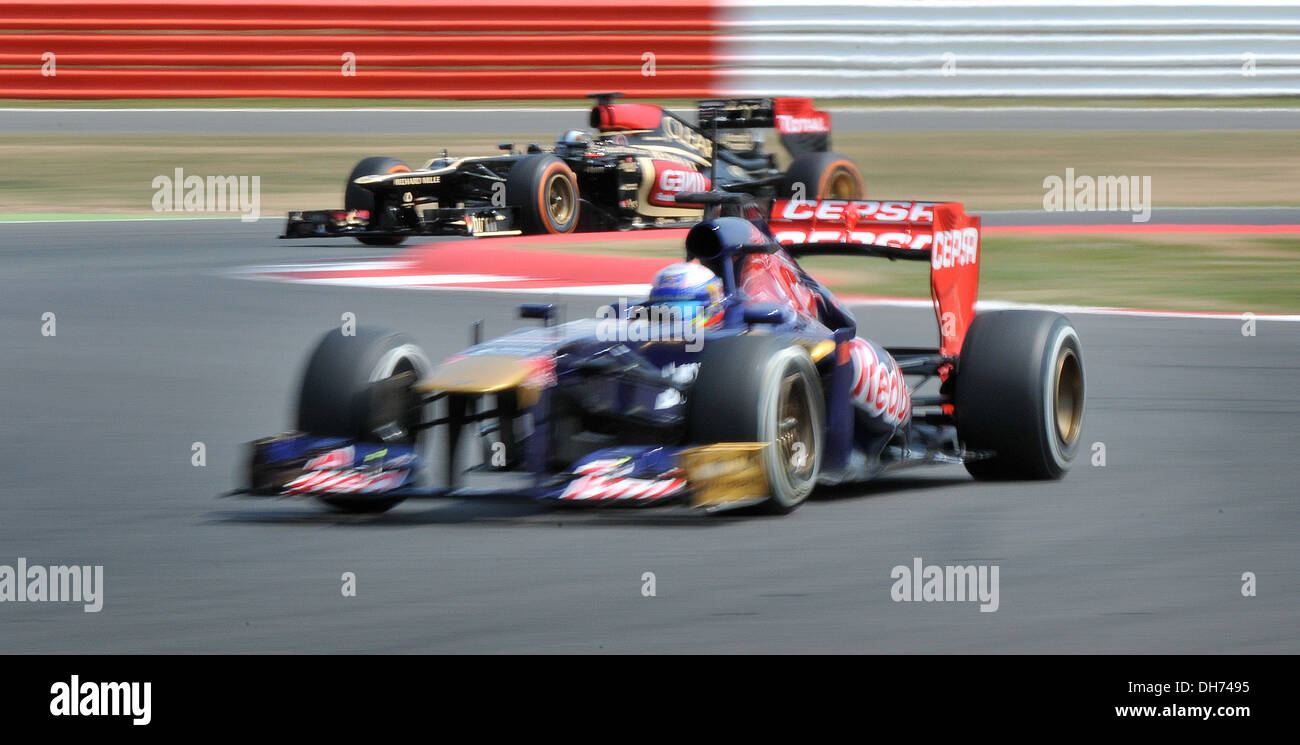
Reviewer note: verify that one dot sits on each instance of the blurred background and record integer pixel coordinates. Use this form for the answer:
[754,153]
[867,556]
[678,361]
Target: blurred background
[508,49]
[163,344]
[977,102]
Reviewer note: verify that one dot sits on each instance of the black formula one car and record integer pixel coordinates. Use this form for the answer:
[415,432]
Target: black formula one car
[625,176]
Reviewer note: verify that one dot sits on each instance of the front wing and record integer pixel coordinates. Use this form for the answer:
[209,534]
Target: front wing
[711,477]
[474,221]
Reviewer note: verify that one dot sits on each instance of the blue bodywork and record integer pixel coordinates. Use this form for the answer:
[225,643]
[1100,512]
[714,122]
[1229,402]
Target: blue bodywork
[633,394]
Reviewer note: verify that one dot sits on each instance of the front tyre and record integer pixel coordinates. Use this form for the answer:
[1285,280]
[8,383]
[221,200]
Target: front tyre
[763,389]
[358,198]
[357,385]
[544,192]
[1020,394]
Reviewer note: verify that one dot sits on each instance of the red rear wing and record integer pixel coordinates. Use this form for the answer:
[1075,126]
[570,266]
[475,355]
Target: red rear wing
[798,116]
[941,232]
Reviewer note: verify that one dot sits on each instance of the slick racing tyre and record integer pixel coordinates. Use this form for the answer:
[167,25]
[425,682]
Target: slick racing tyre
[823,176]
[545,192]
[763,389]
[354,385]
[357,198]
[1019,394]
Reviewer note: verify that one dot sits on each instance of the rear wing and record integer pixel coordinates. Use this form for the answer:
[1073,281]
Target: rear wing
[939,232]
[802,127]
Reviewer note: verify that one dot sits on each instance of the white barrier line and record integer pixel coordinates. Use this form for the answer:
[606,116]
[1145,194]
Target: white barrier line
[985,4]
[1226,72]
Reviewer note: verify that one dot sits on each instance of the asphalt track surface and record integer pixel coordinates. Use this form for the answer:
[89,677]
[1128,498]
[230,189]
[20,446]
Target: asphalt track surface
[542,119]
[158,347]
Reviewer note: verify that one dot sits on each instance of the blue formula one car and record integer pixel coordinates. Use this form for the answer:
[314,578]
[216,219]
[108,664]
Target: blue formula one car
[740,382]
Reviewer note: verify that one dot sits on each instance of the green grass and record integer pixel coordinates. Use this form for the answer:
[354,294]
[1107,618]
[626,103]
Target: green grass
[96,176]
[983,169]
[1005,169]
[1226,273]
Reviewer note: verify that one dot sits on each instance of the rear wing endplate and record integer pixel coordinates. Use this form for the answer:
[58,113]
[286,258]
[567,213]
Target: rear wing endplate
[940,232]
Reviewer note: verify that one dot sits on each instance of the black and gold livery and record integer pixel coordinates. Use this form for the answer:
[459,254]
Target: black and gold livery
[624,173]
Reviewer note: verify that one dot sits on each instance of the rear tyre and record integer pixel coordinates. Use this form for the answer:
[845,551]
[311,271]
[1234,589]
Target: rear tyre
[355,384]
[763,389]
[823,176]
[1020,394]
[357,198]
[545,192]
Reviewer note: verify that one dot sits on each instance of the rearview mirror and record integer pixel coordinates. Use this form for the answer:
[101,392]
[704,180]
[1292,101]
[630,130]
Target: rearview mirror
[542,311]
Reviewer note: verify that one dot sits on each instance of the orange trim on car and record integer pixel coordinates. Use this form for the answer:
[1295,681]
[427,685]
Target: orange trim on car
[846,165]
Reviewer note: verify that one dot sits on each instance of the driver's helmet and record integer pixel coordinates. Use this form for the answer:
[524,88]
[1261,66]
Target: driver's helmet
[575,140]
[692,290]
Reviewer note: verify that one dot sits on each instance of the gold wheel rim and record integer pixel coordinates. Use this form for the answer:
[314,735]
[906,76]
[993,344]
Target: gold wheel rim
[560,199]
[1068,398]
[794,428]
[843,185]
